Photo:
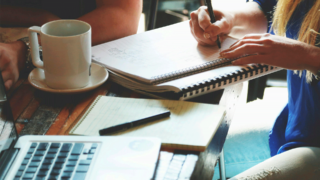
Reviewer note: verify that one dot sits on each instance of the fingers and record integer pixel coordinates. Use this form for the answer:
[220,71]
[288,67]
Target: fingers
[217,28]
[250,44]
[200,20]
[249,48]
[243,42]
[8,84]
[203,18]
[9,76]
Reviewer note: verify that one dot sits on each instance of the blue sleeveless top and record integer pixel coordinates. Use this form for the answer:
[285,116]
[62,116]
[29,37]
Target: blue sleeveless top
[299,122]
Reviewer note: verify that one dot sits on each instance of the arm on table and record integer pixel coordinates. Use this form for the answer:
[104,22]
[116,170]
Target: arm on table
[113,19]
[110,20]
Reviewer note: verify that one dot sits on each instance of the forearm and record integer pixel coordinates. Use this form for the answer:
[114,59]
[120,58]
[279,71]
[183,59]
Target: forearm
[248,19]
[313,59]
[24,17]
[113,19]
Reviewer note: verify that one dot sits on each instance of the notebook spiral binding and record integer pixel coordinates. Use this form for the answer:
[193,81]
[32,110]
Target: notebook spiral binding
[192,70]
[219,82]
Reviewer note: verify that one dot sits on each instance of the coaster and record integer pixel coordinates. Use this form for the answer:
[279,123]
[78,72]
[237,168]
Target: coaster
[98,76]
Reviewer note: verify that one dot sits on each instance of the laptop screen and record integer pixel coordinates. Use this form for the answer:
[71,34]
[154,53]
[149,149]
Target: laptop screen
[8,133]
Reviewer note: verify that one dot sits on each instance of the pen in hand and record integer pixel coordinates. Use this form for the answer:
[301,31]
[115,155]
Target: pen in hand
[128,125]
[212,19]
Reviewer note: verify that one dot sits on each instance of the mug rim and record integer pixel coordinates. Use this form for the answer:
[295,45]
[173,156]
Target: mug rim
[75,20]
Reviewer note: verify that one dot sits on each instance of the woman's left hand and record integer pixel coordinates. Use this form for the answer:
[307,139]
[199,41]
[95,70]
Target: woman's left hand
[274,50]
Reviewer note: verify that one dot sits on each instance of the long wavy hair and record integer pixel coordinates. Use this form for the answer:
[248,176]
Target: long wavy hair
[309,28]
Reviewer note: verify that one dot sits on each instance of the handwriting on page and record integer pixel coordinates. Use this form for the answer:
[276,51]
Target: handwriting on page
[156,52]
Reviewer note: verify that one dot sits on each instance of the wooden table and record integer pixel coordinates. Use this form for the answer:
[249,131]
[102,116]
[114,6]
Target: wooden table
[41,113]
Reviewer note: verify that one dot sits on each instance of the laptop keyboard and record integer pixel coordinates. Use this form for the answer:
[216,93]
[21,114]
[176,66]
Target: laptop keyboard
[52,161]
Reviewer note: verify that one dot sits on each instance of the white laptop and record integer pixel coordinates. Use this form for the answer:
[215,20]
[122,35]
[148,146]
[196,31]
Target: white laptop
[72,157]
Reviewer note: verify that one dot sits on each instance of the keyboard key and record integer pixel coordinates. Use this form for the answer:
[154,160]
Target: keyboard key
[40,178]
[42,172]
[77,149]
[66,175]
[34,164]
[53,177]
[50,156]
[22,168]
[82,168]
[36,158]
[62,155]
[79,175]
[58,166]
[69,169]
[60,160]
[84,162]
[85,151]
[28,156]
[33,145]
[55,172]
[19,173]
[92,151]
[31,150]
[31,170]
[90,156]
[25,162]
[94,146]
[40,153]
[45,167]
[53,151]
[73,158]
[71,163]
[47,161]
[55,145]
[66,147]
[43,146]
[28,176]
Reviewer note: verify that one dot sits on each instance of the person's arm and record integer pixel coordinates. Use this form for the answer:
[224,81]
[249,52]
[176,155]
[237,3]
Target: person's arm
[276,51]
[249,19]
[238,21]
[113,19]
[12,16]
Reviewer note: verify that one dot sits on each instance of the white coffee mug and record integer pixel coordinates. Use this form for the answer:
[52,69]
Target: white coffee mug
[66,52]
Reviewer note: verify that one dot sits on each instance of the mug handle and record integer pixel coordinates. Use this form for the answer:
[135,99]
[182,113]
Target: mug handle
[32,31]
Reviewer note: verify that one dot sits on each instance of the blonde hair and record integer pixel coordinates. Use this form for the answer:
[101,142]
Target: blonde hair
[309,28]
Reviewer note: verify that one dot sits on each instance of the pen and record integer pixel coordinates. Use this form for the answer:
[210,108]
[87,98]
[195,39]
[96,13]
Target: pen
[212,19]
[125,126]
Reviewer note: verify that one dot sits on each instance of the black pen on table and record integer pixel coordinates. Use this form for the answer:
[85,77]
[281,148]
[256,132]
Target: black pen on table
[212,19]
[135,123]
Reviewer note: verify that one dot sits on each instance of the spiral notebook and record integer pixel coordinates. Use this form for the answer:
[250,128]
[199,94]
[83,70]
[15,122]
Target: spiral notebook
[168,62]
[190,126]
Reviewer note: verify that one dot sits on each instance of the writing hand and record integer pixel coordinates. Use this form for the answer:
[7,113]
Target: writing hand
[205,32]
[275,50]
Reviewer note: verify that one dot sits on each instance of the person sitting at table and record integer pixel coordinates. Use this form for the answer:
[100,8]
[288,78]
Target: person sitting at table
[109,20]
[294,25]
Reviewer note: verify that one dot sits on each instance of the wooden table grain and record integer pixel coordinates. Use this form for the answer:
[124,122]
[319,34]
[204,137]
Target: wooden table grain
[42,113]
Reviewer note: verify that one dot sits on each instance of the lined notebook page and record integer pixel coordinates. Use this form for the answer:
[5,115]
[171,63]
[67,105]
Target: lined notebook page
[190,126]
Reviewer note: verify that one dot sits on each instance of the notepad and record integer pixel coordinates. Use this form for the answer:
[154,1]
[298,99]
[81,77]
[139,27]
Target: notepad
[169,63]
[190,126]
